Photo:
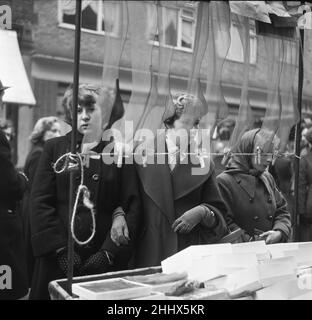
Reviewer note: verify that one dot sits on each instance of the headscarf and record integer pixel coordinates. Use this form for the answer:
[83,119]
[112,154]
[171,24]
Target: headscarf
[241,162]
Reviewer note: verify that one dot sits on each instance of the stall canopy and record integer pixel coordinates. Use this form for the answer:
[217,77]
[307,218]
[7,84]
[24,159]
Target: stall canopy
[12,71]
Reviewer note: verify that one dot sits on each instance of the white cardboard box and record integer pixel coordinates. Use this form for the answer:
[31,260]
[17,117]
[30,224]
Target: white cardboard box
[284,290]
[182,260]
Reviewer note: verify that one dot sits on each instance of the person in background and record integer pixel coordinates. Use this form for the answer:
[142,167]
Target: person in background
[254,203]
[7,128]
[304,144]
[2,90]
[282,170]
[12,251]
[44,129]
[305,191]
[111,191]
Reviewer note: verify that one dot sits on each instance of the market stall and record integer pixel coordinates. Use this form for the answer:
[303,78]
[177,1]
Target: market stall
[231,271]
[252,271]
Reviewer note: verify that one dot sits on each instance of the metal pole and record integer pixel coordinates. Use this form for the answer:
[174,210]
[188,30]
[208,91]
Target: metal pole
[73,147]
[298,137]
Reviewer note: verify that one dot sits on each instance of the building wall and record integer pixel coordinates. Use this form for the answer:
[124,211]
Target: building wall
[52,54]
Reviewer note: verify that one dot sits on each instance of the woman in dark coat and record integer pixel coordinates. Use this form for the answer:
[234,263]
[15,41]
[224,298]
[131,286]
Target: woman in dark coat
[12,250]
[180,208]
[46,128]
[253,201]
[50,206]
[305,192]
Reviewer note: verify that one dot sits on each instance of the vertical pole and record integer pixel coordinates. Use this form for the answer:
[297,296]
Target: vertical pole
[73,147]
[298,137]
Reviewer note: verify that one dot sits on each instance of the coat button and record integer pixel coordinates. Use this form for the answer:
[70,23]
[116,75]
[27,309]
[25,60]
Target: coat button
[95,177]
[256,218]
[250,200]
[270,217]
[269,200]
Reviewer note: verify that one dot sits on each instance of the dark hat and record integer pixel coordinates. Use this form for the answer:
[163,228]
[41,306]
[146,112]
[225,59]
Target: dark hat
[2,88]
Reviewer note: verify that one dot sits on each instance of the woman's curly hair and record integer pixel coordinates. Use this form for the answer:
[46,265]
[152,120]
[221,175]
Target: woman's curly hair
[88,95]
[41,127]
[184,103]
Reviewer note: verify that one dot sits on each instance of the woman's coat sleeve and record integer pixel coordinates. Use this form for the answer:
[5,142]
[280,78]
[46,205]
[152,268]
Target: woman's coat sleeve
[213,200]
[47,230]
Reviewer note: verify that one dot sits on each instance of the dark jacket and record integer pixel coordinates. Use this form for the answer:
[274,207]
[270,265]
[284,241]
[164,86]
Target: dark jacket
[12,251]
[50,207]
[282,171]
[30,169]
[305,186]
[165,197]
[250,206]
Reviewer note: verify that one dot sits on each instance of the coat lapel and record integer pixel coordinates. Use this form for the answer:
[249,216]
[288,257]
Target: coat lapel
[156,181]
[247,183]
[183,179]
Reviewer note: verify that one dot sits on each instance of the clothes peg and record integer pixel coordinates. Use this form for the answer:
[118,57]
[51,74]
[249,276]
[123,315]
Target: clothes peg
[201,160]
[144,160]
[258,156]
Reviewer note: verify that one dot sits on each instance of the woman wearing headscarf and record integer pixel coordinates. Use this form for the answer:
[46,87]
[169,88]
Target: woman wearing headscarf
[305,191]
[180,208]
[110,197]
[45,128]
[253,201]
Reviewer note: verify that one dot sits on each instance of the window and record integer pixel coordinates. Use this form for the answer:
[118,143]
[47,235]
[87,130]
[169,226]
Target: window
[235,52]
[179,26]
[187,33]
[97,16]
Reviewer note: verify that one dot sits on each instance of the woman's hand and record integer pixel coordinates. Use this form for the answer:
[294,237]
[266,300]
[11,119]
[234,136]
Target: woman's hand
[119,231]
[272,236]
[189,220]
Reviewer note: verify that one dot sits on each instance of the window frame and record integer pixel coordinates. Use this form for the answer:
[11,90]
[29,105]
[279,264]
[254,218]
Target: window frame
[180,24]
[179,30]
[179,46]
[70,26]
[253,37]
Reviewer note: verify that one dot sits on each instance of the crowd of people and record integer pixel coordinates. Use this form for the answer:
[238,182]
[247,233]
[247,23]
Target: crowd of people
[143,214]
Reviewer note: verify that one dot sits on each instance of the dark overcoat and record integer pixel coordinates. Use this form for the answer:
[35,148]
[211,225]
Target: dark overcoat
[30,169]
[12,250]
[165,197]
[50,207]
[305,185]
[250,206]
[305,197]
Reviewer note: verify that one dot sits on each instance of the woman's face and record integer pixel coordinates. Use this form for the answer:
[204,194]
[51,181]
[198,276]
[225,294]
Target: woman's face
[186,122]
[55,131]
[9,133]
[89,119]
[266,148]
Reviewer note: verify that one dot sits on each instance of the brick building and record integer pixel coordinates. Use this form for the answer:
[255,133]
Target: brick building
[46,37]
